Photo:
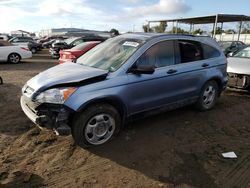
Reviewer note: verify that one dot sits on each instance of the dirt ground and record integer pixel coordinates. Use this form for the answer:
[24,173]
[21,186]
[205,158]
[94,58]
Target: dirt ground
[181,148]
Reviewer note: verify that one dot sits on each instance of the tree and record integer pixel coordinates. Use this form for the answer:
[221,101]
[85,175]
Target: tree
[245,28]
[218,31]
[230,31]
[161,28]
[179,30]
[146,29]
[198,32]
[114,32]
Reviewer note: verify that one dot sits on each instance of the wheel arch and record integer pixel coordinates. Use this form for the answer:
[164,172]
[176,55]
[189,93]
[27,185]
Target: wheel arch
[14,53]
[218,81]
[117,103]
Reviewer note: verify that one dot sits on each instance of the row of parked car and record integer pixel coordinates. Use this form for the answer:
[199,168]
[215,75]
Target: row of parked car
[14,49]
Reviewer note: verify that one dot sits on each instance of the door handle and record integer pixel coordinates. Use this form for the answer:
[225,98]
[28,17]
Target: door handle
[205,65]
[171,71]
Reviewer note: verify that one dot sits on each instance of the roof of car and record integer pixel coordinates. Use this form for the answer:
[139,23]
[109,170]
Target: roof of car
[155,35]
[150,36]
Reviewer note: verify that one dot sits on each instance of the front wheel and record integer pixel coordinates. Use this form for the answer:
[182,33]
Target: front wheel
[14,58]
[96,125]
[208,96]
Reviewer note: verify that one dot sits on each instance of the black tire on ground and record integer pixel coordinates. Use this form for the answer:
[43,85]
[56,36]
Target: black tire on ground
[208,96]
[82,121]
[14,58]
[33,50]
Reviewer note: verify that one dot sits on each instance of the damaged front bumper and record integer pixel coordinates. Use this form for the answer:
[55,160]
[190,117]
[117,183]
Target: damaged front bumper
[50,116]
[239,81]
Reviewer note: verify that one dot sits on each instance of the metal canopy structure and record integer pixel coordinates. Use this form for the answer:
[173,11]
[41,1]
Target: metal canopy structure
[213,19]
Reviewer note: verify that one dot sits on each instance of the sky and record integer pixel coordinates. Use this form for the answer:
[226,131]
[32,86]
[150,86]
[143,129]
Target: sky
[124,15]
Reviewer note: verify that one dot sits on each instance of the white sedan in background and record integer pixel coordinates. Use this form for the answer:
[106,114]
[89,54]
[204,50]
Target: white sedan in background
[12,53]
[238,69]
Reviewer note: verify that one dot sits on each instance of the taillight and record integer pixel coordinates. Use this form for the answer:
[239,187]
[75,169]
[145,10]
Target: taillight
[26,49]
[71,56]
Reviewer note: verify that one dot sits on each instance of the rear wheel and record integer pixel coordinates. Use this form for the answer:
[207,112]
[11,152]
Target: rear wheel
[96,125]
[33,50]
[14,58]
[208,96]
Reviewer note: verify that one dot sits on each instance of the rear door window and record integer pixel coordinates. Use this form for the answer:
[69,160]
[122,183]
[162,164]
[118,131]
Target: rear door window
[159,55]
[190,51]
[210,52]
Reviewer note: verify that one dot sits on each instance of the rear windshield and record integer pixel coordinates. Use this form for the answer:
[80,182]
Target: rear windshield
[225,45]
[83,45]
[70,40]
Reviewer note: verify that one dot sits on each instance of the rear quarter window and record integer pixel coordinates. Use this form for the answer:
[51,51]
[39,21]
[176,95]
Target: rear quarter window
[210,52]
[190,51]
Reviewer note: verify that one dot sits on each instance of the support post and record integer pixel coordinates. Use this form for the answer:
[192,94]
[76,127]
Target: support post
[240,30]
[173,28]
[190,30]
[148,26]
[215,26]
[221,30]
[176,28]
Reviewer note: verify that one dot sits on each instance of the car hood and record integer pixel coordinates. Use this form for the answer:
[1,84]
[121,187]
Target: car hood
[63,74]
[238,65]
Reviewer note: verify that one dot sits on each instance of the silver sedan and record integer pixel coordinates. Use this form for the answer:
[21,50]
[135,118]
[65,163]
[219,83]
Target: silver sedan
[239,70]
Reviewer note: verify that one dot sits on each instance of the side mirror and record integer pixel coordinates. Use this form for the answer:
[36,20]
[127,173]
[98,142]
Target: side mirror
[142,69]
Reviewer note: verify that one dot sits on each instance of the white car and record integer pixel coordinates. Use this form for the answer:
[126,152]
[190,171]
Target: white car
[238,70]
[12,53]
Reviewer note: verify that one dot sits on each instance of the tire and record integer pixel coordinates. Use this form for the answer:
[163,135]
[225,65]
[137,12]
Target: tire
[14,58]
[87,131]
[208,96]
[33,50]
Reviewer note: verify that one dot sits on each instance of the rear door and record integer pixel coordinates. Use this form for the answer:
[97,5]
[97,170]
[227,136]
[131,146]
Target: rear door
[5,50]
[193,67]
[1,51]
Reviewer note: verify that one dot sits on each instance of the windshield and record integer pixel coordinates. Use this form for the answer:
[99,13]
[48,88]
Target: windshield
[111,54]
[245,53]
[82,46]
[69,40]
[225,45]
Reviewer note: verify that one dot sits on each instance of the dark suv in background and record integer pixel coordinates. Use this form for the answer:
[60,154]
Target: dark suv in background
[231,47]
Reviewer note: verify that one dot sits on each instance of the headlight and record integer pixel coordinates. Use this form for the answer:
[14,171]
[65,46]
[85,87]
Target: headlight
[56,96]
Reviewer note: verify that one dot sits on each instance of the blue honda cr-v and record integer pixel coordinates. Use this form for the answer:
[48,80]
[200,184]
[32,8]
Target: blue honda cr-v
[121,78]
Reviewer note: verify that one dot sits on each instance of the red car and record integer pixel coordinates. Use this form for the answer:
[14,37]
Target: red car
[75,52]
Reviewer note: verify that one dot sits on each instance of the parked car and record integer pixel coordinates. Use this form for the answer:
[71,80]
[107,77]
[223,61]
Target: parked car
[48,44]
[70,43]
[231,47]
[5,37]
[34,46]
[13,53]
[70,55]
[21,41]
[47,39]
[121,78]
[239,70]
